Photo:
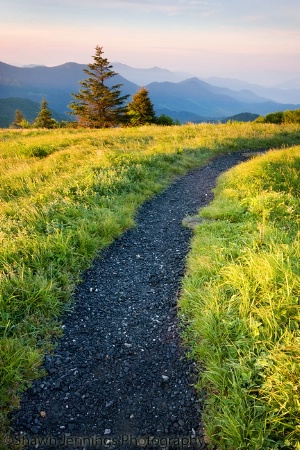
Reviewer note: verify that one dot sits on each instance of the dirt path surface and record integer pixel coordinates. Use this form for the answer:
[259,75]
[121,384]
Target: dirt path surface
[119,378]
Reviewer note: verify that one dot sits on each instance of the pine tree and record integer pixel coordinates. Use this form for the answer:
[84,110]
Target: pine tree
[140,110]
[44,118]
[97,105]
[19,118]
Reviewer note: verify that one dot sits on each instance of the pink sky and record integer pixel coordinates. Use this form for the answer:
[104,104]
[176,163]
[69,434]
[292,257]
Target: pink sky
[250,39]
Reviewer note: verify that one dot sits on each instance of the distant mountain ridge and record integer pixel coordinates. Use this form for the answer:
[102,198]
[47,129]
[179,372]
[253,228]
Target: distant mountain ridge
[142,77]
[200,98]
[190,99]
[284,92]
[288,92]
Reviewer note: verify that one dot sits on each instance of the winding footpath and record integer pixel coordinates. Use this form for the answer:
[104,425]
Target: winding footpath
[119,377]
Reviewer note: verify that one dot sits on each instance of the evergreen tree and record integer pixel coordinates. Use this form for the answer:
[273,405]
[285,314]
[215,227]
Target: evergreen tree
[18,120]
[44,118]
[97,105]
[163,119]
[140,110]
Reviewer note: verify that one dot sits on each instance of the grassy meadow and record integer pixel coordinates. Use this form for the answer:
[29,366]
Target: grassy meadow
[240,304]
[65,194]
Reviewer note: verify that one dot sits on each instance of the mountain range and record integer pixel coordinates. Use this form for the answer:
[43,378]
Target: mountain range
[178,95]
[285,92]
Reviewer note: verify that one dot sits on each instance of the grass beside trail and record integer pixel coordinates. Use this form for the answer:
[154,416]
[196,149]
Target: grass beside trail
[240,302]
[64,195]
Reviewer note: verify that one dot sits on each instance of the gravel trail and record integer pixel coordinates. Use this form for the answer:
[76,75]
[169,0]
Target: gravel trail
[119,377]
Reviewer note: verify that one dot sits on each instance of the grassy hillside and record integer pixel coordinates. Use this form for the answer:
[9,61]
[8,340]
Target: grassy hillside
[65,194]
[241,305]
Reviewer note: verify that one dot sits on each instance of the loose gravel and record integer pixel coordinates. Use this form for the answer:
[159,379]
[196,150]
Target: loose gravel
[119,377]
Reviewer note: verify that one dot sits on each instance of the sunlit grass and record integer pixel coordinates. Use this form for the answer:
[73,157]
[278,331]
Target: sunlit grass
[64,195]
[241,305]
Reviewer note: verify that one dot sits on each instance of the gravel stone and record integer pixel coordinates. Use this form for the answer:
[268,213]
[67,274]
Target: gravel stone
[120,366]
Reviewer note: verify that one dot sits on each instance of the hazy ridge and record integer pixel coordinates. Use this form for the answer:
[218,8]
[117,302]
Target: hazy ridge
[179,95]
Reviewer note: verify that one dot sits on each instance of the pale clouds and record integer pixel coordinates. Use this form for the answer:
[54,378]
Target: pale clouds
[216,37]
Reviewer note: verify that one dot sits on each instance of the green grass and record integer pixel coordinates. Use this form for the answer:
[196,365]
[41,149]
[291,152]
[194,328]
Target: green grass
[66,194]
[240,304]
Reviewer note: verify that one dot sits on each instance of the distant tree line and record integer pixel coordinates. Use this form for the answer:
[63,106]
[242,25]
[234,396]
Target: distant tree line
[97,105]
[280,117]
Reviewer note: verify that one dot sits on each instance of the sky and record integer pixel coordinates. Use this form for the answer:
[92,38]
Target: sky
[253,40]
